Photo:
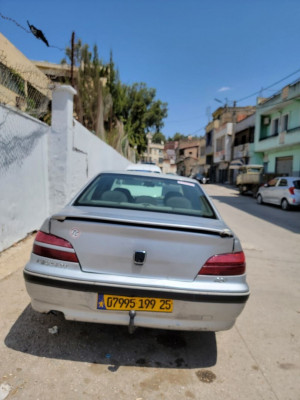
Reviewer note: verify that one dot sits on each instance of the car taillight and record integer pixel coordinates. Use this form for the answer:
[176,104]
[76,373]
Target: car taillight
[225,264]
[64,253]
[292,190]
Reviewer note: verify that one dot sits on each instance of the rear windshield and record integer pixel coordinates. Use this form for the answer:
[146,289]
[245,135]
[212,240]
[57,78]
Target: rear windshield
[146,193]
[296,184]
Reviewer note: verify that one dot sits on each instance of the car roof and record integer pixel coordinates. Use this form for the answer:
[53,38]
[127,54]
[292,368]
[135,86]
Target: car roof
[143,167]
[289,178]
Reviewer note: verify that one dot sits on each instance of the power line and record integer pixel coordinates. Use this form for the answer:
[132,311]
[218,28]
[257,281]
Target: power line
[184,120]
[198,130]
[15,22]
[30,31]
[268,87]
[58,48]
[244,98]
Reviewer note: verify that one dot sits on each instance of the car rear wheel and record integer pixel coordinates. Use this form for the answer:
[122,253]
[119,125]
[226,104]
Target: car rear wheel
[285,205]
[259,199]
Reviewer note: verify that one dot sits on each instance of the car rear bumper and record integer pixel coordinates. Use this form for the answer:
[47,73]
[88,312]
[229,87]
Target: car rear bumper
[78,301]
[294,201]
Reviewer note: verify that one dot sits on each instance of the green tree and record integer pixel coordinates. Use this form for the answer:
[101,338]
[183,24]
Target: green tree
[177,136]
[142,114]
[156,114]
[158,137]
[123,112]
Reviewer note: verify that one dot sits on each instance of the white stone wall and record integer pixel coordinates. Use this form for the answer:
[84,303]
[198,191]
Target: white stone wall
[42,167]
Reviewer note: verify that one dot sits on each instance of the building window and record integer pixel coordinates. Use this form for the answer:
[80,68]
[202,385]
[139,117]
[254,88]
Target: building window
[202,151]
[220,144]
[209,138]
[285,122]
[275,127]
[251,137]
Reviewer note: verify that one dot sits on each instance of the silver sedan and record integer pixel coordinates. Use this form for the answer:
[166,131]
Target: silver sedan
[139,249]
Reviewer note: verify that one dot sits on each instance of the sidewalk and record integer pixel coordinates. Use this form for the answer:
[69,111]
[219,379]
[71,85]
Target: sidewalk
[16,256]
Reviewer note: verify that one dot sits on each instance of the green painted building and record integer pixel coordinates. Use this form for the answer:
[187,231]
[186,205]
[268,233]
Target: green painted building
[277,132]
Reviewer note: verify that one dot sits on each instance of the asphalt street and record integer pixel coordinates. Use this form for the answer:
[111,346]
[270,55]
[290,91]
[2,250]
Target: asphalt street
[259,358]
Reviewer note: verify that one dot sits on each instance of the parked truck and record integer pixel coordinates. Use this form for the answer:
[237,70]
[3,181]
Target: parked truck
[249,178]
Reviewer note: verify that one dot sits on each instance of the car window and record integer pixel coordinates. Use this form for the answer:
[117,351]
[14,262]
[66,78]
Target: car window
[283,182]
[146,193]
[272,182]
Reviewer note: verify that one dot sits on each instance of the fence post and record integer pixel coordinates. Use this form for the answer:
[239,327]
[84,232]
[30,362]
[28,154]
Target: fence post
[60,147]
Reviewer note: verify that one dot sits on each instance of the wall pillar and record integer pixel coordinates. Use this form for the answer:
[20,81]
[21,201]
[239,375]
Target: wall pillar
[60,147]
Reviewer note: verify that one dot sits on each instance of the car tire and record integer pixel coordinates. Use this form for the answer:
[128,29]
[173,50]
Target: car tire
[241,189]
[259,199]
[285,205]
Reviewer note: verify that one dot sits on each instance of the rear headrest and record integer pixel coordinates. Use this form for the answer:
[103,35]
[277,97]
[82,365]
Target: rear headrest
[126,192]
[178,202]
[171,194]
[116,197]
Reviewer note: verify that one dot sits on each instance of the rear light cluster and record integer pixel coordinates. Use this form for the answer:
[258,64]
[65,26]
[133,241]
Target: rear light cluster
[65,252]
[292,190]
[225,264]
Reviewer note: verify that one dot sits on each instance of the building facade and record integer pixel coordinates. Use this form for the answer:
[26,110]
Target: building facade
[277,132]
[219,141]
[222,151]
[154,152]
[22,84]
[191,156]
[243,147]
[169,164]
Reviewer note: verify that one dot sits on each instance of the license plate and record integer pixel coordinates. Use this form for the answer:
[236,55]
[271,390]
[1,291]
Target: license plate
[123,303]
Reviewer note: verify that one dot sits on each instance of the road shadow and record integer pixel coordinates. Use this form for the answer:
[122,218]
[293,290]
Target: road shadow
[110,345]
[289,220]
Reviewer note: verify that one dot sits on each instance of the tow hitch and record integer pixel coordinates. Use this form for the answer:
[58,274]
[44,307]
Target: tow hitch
[131,327]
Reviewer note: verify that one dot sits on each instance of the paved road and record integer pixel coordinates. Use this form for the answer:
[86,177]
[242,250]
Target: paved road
[257,359]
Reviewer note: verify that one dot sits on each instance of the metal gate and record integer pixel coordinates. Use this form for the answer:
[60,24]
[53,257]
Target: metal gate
[284,166]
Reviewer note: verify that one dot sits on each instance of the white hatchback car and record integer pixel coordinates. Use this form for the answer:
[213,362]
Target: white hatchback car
[282,191]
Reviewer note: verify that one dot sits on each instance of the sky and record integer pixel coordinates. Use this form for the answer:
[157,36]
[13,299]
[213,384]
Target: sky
[191,51]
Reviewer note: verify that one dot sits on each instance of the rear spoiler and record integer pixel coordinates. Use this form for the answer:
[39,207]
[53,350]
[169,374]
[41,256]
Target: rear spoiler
[224,233]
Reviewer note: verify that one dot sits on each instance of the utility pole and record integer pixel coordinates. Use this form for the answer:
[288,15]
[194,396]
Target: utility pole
[72,58]
[230,171]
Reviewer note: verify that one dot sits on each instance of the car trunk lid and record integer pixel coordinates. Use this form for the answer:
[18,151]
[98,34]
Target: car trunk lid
[114,242]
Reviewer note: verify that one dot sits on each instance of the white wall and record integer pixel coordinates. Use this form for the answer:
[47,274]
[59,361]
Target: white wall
[23,175]
[42,167]
[90,156]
